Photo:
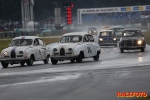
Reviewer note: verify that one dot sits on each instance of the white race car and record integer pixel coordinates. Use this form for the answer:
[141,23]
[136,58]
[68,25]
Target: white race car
[25,49]
[75,46]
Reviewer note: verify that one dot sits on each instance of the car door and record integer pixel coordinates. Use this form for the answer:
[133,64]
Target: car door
[86,45]
[36,49]
[92,50]
[42,49]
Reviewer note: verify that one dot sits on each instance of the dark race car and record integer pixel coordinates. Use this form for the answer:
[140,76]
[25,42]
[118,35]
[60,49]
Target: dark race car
[118,31]
[132,39]
[92,30]
[107,38]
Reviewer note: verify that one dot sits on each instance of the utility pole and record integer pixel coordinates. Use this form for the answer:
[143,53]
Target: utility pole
[22,11]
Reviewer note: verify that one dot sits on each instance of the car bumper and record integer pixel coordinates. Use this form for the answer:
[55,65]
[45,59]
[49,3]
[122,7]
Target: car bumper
[118,39]
[63,57]
[132,47]
[12,60]
[107,44]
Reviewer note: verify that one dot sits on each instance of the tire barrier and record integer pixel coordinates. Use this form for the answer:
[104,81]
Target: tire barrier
[7,34]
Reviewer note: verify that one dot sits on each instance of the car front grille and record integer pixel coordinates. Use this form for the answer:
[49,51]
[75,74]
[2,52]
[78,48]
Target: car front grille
[13,54]
[62,51]
[127,42]
[107,41]
[130,42]
[6,56]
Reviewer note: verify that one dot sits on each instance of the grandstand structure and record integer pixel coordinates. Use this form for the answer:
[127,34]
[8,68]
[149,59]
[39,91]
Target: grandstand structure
[114,15]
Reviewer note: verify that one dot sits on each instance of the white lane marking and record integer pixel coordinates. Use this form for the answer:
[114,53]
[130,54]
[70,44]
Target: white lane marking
[46,79]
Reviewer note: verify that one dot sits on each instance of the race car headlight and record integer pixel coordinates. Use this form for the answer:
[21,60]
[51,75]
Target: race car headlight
[89,31]
[54,49]
[100,39]
[94,31]
[114,39]
[5,53]
[70,49]
[139,42]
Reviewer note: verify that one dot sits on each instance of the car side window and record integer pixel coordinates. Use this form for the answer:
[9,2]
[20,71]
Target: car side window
[91,39]
[86,39]
[36,42]
[40,42]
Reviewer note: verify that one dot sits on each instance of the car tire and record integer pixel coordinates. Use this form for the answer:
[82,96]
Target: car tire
[46,60]
[72,61]
[30,61]
[142,49]
[54,62]
[5,65]
[22,63]
[121,50]
[96,58]
[79,58]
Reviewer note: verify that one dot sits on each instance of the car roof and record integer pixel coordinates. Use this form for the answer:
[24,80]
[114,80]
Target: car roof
[134,29]
[92,27]
[26,37]
[116,27]
[76,33]
[106,31]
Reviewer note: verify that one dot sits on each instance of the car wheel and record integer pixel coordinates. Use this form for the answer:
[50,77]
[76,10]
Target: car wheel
[72,61]
[54,62]
[30,61]
[121,50]
[46,60]
[79,58]
[96,58]
[22,63]
[5,65]
[142,49]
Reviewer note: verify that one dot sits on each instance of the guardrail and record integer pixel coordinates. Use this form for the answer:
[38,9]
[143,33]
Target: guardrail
[12,34]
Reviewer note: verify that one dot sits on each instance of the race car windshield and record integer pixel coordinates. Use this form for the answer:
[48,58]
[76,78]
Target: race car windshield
[104,34]
[118,33]
[118,29]
[92,28]
[21,42]
[131,33]
[66,39]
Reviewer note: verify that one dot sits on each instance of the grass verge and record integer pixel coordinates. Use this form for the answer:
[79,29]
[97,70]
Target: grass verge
[4,43]
[147,37]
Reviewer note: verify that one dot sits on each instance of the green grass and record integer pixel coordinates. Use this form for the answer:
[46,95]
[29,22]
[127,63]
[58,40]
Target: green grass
[50,40]
[4,43]
[147,37]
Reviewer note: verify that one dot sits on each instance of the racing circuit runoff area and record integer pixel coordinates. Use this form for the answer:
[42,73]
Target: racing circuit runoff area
[107,79]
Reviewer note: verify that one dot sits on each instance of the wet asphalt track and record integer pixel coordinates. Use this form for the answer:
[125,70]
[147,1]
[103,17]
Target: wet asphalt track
[89,80]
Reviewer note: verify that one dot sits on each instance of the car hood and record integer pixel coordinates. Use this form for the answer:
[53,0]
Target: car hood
[65,45]
[108,38]
[15,48]
[132,38]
